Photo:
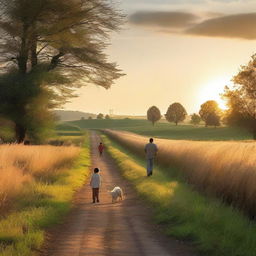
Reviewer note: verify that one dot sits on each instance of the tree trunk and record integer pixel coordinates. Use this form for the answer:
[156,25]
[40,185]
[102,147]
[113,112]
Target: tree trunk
[33,52]
[20,132]
[24,51]
[176,123]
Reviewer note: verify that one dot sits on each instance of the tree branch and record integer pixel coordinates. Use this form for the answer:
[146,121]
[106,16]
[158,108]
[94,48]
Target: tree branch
[55,60]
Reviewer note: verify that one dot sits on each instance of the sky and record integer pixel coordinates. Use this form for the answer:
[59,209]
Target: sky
[174,51]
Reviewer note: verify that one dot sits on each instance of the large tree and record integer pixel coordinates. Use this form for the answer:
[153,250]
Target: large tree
[209,108]
[153,114]
[176,113]
[242,98]
[52,47]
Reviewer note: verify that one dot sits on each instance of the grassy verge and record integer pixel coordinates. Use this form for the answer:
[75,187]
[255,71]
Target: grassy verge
[40,206]
[215,229]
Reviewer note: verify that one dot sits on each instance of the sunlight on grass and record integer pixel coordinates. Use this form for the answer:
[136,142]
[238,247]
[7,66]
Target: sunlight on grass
[214,228]
[223,169]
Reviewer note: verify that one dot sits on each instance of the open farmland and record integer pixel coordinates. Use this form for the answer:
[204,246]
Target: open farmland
[66,129]
[164,129]
[224,169]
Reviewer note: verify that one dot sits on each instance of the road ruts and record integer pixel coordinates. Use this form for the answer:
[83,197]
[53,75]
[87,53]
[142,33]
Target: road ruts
[106,229]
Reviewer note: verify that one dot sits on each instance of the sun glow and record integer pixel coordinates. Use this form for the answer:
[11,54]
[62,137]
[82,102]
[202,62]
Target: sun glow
[212,90]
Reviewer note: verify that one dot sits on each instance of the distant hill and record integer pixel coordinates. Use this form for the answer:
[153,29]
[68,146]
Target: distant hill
[68,115]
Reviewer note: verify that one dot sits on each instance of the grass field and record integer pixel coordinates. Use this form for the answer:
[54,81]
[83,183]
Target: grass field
[212,227]
[37,185]
[223,169]
[165,130]
[67,129]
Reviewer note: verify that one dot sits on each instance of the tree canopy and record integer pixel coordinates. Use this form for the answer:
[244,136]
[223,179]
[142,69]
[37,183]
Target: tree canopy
[242,98]
[153,114]
[209,111]
[176,113]
[100,116]
[213,119]
[52,47]
[195,119]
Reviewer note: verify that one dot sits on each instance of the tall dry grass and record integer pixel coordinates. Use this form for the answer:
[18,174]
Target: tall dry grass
[225,169]
[20,165]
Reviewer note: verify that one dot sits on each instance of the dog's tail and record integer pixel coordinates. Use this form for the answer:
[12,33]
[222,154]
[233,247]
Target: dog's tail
[122,194]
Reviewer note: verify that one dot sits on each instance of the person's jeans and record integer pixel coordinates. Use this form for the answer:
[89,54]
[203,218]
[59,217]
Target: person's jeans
[150,165]
[95,194]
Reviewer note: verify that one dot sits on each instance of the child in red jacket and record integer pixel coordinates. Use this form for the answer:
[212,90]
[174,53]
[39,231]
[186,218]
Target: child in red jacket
[101,148]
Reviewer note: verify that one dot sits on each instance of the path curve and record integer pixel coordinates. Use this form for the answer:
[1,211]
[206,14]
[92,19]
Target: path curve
[106,229]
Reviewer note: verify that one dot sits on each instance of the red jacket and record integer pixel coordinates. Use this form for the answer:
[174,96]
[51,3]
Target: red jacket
[101,147]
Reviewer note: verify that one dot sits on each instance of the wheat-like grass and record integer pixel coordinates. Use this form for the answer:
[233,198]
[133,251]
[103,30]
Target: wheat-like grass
[20,165]
[225,169]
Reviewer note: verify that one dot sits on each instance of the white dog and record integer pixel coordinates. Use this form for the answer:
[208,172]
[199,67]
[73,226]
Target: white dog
[116,193]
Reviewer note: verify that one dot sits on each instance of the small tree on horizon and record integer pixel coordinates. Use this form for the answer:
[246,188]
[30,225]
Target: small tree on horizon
[195,119]
[209,108]
[89,118]
[176,113]
[107,117]
[100,116]
[153,114]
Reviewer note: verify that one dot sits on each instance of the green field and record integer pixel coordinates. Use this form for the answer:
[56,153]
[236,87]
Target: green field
[66,129]
[164,129]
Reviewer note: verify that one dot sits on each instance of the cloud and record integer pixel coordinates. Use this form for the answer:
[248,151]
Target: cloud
[208,24]
[164,19]
[231,26]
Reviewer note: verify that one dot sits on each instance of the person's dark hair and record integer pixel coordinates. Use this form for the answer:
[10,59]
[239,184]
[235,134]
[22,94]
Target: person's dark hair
[96,170]
[151,140]
[100,142]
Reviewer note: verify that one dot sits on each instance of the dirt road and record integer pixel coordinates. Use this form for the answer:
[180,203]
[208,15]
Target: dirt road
[107,229]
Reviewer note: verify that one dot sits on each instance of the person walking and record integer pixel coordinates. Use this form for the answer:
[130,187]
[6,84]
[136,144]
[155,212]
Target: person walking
[150,151]
[95,184]
[101,148]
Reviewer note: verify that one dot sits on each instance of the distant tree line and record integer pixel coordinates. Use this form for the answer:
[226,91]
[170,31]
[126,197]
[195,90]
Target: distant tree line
[100,116]
[209,112]
[175,113]
[241,102]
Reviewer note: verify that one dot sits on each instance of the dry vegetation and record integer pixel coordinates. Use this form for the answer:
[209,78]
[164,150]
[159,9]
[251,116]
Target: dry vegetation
[21,165]
[225,169]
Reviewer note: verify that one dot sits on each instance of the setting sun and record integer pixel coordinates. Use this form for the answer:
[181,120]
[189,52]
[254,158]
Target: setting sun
[212,90]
